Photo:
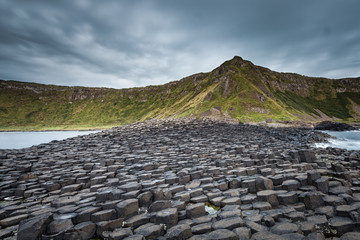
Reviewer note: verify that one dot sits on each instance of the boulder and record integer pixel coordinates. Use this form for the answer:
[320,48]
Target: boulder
[242,232]
[127,208]
[151,231]
[222,234]
[307,156]
[10,221]
[350,236]
[285,227]
[290,185]
[264,183]
[179,232]
[313,200]
[322,185]
[137,220]
[82,231]
[195,210]
[108,225]
[33,228]
[341,225]
[120,233]
[159,205]
[59,226]
[228,223]
[168,216]
[201,228]
[315,236]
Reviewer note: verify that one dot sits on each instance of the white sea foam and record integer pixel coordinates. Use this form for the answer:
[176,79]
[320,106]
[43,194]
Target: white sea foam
[349,140]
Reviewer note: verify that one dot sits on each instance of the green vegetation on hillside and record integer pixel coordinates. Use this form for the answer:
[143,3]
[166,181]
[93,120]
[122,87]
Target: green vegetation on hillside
[236,89]
[332,107]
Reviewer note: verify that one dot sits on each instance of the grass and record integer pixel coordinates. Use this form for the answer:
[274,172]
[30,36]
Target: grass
[332,107]
[247,93]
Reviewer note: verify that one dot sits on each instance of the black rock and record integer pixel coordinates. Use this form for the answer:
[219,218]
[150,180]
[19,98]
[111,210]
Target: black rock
[33,228]
[333,126]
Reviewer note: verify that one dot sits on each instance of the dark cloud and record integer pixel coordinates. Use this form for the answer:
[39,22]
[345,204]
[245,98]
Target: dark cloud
[136,43]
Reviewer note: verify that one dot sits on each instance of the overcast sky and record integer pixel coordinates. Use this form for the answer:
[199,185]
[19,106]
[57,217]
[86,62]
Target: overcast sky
[123,44]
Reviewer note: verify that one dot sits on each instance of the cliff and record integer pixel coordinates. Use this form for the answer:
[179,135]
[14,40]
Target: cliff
[237,89]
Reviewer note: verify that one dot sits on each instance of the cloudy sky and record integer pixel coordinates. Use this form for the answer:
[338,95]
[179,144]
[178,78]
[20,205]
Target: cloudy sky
[130,43]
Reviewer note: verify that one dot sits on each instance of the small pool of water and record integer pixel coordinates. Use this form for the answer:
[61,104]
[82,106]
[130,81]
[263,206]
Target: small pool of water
[211,209]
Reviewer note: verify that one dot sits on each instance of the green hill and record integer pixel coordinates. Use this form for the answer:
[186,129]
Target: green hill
[236,89]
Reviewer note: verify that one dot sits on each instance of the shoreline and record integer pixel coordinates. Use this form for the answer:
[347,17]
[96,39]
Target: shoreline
[51,129]
[64,130]
[275,124]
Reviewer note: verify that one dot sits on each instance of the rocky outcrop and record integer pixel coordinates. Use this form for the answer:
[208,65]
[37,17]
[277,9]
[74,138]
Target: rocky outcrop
[180,179]
[334,126]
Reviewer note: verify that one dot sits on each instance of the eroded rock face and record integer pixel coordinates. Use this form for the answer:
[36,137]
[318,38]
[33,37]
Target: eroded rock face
[180,179]
[334,126]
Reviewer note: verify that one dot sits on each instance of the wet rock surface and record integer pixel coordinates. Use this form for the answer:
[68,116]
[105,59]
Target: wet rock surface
[158,180]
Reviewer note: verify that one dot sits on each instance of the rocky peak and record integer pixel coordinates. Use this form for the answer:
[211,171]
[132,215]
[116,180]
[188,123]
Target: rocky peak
[229,65]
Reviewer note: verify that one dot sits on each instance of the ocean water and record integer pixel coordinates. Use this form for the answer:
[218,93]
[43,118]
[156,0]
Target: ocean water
[17,140]
[349,140]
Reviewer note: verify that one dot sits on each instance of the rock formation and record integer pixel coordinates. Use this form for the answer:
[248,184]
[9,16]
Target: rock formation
[181,179]
[334,126]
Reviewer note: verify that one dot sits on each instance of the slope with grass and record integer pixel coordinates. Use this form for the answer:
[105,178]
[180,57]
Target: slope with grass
[236,89]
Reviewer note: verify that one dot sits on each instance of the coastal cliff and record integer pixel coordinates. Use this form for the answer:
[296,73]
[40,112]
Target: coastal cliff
[237,89]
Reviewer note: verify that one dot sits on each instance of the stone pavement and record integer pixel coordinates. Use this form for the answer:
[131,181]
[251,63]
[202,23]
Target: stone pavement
[181,179]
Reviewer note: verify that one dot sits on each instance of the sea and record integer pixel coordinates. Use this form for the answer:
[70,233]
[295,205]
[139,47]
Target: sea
[349,140]
[18,140]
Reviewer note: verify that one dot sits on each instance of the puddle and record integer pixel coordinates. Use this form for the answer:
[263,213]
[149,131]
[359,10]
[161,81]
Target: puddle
[211,209]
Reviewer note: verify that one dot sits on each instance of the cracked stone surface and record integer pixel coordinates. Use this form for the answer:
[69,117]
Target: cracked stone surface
[158,179]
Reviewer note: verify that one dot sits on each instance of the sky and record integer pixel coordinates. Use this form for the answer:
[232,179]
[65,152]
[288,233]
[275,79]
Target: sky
[130,43]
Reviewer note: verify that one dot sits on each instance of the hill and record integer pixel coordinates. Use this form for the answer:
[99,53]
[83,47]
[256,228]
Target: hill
[237,89]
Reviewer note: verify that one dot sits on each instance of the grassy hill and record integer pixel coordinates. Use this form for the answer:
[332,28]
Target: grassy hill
[236,89]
